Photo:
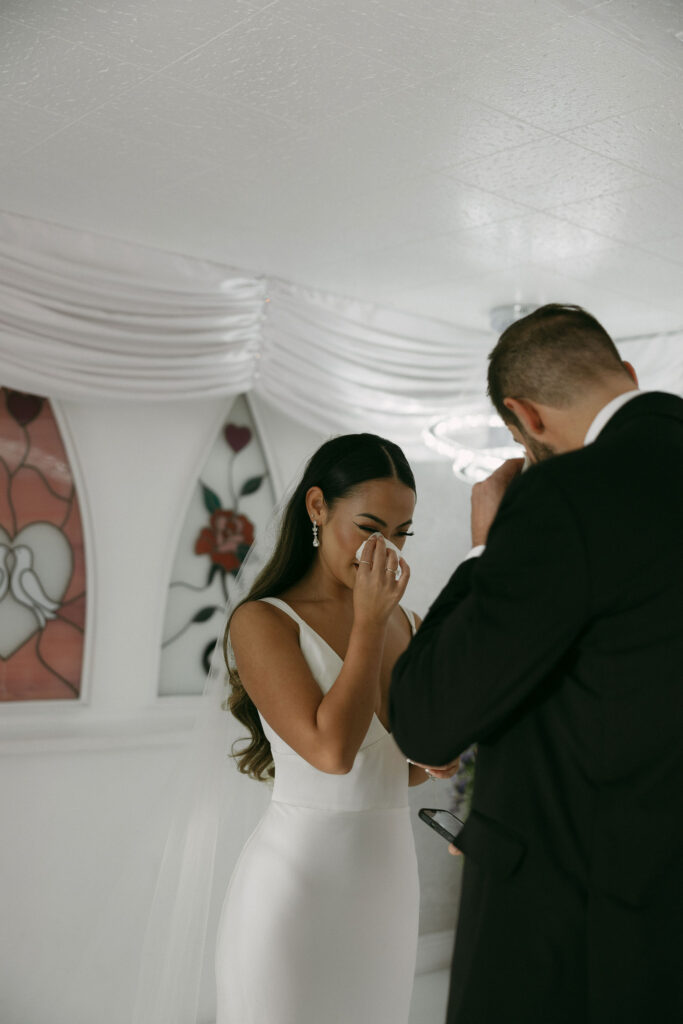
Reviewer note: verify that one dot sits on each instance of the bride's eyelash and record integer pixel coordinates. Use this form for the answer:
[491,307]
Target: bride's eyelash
[371,529]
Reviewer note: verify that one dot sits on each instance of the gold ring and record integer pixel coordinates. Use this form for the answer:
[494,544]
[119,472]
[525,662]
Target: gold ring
[392,571]
[364,561]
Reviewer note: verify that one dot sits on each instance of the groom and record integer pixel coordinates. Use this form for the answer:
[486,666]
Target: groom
[560,652]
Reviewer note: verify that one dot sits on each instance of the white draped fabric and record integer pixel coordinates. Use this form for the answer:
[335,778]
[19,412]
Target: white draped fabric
[89,317]
[345,364]
[83,316]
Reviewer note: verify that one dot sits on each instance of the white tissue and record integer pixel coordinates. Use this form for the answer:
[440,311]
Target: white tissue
[390,547]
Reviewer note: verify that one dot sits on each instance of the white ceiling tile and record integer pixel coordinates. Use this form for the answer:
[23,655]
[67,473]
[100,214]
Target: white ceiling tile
[391,139]
[285,200]
[150,33]
[628,272]
[394,268]
[470,302]
[218,197]
[45,71]
[457,301]
[83,158]
[474,299]
[572,74]
[668,248]
[189,122]
[405,153]
[23,128]
[30,189]
[442,125]
[653,28]
[295,221]
[546,173]
[649,139]
[536,238]
[577,6]
[426,38]
[428,206]
[423,208]
[636,216]
[329,158]
[288,69]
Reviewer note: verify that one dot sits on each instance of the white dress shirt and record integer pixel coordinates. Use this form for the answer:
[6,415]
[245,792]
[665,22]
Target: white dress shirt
[598,424]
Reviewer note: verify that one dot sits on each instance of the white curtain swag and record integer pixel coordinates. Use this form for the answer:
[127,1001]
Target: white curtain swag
[88,317]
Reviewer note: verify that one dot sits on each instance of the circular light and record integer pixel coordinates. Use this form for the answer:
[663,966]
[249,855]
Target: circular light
[475,439]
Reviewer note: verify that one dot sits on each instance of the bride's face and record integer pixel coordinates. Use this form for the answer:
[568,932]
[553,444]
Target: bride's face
[385,506]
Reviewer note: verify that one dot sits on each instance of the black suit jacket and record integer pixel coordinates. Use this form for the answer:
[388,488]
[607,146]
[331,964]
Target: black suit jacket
[560,651]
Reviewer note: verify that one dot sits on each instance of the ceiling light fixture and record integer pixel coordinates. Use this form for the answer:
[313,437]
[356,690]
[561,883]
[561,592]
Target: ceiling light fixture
[475,437]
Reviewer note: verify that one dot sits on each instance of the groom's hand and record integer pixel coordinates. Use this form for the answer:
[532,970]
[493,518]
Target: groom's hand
[487,496]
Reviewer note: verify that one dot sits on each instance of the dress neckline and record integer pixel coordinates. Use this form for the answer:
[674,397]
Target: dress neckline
[322,639]
[308,626]
[303,622]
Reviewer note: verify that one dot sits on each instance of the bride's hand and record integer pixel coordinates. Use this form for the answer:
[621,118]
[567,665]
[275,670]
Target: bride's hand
[444,771]
[377,591]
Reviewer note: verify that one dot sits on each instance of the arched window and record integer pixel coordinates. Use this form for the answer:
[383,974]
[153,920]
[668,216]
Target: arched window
[42,558]
[231,502]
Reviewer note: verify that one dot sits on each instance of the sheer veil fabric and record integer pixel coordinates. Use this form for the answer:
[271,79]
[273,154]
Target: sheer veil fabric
[215,810]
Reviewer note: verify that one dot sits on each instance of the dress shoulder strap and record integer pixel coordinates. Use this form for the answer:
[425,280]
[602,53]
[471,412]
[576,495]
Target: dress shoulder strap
[288,610]
[283,606]
[410,615]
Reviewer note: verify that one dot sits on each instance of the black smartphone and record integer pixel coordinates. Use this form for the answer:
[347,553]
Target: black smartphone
[443,822]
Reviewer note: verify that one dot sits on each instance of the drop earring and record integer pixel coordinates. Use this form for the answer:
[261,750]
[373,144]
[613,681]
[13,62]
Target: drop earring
[316,542]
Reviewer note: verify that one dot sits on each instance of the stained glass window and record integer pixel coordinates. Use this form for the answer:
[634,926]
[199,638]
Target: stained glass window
[231,501]
[42,558]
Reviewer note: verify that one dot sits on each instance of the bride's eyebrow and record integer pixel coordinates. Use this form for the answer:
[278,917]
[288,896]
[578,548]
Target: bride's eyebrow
[376,519]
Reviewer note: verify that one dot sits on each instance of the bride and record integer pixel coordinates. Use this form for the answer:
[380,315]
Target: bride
[321,914]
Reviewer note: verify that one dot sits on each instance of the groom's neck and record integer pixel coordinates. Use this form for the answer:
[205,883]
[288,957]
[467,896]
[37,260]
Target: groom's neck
[568,427]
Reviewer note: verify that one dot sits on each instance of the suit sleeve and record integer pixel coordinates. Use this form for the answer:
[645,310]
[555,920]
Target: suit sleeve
[500,626]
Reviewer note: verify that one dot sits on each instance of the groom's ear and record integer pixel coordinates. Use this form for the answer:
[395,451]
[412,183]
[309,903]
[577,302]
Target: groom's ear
[631,372]
[528,415]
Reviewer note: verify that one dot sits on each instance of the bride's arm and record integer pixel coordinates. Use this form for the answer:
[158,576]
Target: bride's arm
[325,729]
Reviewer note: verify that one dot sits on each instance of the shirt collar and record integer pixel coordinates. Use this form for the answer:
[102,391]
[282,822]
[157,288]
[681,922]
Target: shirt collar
[606,414]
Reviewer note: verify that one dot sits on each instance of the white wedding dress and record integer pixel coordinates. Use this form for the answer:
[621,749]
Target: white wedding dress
[319,924]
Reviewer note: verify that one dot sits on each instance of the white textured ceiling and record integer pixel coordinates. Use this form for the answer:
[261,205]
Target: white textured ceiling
[440,156]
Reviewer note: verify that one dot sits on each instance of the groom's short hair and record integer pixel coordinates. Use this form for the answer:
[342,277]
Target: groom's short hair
[550,356]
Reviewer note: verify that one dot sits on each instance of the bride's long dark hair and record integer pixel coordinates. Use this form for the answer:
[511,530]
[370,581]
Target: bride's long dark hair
[336,468]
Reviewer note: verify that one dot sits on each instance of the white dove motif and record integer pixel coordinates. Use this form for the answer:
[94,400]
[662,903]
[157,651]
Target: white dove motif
[27,588]
[4,571]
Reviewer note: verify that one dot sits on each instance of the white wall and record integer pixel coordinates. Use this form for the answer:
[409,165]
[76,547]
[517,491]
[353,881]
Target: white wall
[83,788]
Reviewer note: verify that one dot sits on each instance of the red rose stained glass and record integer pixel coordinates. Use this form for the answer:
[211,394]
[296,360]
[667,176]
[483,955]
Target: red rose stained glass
[42,558]
[231,502]
[226,540]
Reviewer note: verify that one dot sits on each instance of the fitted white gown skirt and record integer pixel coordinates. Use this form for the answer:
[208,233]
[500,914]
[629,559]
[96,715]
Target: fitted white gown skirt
[319,924]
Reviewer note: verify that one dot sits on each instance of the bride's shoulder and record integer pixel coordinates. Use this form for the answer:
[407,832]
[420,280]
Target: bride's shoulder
[253,619]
